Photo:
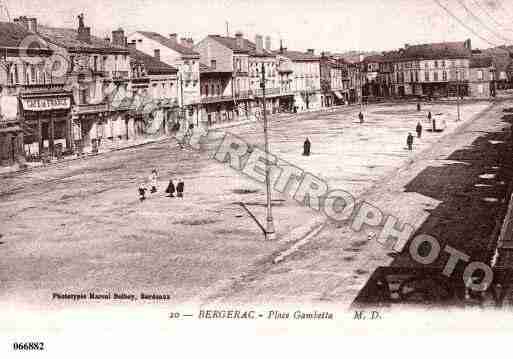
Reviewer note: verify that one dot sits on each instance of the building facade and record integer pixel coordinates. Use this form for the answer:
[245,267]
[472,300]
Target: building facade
[181,55]
[481,77]
[35,106]
[154,95]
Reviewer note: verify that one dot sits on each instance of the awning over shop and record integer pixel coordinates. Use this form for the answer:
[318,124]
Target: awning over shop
[339,95]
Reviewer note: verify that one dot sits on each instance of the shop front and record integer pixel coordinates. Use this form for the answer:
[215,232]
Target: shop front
[47,120]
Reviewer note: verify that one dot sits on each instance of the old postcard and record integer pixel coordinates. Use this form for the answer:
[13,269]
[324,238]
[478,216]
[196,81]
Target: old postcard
[188,169]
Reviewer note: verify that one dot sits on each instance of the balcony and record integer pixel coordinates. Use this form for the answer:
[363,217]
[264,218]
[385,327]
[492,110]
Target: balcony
[190,76]
[276,91]
[14,89]
[244,94]
[100,73]
[214,99]
[119,76]
[86,109]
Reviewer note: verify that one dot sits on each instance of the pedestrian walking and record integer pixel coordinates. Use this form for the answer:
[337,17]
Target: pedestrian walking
[360,116]
[179,188]
[171,188]
[306,147]
[153,181]
[409,141]
[419,129]
[142,191]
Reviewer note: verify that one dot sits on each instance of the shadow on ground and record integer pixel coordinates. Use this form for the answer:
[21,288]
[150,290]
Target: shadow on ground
[473,193]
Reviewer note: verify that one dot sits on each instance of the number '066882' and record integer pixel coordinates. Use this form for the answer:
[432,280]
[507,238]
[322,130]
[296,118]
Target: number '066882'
[29,346]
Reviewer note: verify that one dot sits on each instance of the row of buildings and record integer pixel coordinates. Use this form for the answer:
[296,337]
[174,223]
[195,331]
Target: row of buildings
[68,90]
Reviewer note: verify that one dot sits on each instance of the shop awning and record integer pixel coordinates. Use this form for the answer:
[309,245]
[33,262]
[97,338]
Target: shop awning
[339,95]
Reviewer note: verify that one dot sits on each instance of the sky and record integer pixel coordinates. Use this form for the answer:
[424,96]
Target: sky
[324,25]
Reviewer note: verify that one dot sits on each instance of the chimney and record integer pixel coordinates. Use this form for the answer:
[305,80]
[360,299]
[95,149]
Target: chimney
[468,44]
[268,43]
[173,38]
[310,51]
[259,44]
[132,45]
[406,46]
[29,23]
[239,40]
[362,57]
[84,33]
[22,20]
[32,24]
[118,37]
[107,40]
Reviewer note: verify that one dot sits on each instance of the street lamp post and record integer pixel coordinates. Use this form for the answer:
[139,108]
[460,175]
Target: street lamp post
[458,93]
[269,230]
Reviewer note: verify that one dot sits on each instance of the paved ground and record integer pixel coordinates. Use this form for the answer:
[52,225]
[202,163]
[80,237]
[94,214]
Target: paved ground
[455,191]
[79,227]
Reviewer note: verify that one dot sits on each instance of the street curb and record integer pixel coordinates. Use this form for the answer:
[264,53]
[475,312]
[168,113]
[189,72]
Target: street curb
[83,158]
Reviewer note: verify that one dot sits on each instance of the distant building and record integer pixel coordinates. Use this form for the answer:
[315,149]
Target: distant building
[179,54]
[154,93]
[306,73]
[481,77]
[97,72]
[35,106]
[334,80]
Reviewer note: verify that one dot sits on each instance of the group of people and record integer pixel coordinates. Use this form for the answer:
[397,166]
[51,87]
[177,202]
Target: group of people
[152,185]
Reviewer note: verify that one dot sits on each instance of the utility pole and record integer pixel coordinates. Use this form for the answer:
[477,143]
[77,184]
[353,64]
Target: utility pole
[182,108]
[458,94]
[269,230]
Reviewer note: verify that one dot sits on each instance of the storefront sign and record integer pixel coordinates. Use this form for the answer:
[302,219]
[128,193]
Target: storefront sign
[45,104]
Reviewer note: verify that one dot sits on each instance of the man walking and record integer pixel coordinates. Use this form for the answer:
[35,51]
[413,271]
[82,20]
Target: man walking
[419,130]
[409,141]
[360,116]
[179,188]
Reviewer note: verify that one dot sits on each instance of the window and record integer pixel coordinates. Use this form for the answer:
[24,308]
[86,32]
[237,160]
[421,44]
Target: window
[436,64]
[71,63]
[435,76]
[479,74]
[443,63]
[213,64]
[444,76]
[33,74]
[480,89]
[16,78]
[426,76]
[95,63]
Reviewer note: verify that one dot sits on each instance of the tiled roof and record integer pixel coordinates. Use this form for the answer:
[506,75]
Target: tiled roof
[297,55]
[68,38]
[11,34]
[374,58]
[481,61]
[248,46]
[442,50]
[204,69]
[155,36]
[152,65]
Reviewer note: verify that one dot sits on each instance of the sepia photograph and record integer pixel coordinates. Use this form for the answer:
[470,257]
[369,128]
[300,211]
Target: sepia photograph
[171,171]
